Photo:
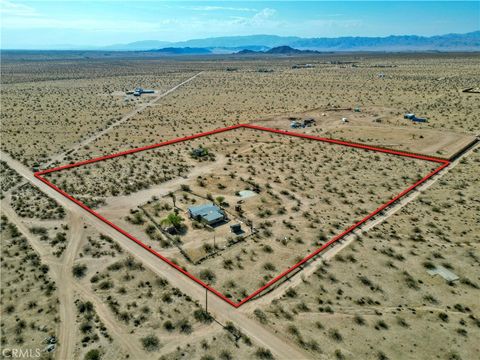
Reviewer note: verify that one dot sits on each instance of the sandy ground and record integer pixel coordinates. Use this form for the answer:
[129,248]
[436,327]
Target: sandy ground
[87,117]
[220,310]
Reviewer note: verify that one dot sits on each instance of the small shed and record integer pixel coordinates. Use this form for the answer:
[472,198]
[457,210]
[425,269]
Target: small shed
[443,272]
[199,152]
[236,228]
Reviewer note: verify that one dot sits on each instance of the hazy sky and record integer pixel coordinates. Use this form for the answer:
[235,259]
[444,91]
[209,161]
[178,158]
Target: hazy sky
[47,24]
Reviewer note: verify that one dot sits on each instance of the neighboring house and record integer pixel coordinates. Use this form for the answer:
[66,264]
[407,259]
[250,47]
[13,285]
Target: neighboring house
[139,91]
[208,213]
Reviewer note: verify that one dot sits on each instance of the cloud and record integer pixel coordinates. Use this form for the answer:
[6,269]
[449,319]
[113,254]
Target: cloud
[24,18]
[14,9]
[17,16]
[266,13]
[261,18]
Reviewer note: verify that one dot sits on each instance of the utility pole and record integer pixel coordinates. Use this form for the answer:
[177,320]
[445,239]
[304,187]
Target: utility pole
[206,300]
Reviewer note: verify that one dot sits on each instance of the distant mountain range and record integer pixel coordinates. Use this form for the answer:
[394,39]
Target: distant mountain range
[279,50]
[263,43]
[231,44]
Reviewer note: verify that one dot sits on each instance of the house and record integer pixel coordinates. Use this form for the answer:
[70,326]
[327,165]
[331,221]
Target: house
[412,117]
[208,213]
[139,91]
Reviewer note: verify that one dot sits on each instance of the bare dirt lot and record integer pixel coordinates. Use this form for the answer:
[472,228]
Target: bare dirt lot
[379,287]
[29,305]
[375,299]
[303,192]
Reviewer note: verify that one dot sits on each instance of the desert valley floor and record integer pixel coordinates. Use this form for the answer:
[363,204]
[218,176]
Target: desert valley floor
[404,285]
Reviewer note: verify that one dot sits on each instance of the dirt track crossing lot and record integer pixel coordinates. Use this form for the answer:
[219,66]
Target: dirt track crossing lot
[293,213]
[281,348]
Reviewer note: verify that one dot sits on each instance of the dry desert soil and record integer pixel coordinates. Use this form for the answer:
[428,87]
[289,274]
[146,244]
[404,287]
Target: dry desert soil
[73,287]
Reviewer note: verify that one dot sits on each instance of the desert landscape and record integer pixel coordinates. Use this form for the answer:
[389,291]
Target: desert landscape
[236,209]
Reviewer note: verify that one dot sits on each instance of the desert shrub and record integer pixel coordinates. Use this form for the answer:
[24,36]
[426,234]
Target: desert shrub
[443,316]
[263,353]
[381,325]
[202,316]
[79,270]
[207,275]
[93,354]
[291,293]
[269,266]
[335,335]
[185,326]
[105,285]
[168,325]
[85,327]
[86,306]
[359,320]
[260,315]
[150,343]
[226,355]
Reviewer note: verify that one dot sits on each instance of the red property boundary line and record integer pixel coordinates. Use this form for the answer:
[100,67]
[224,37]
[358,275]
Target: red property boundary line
[444,163]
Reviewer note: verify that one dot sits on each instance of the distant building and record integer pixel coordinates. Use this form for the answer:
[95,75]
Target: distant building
[208,213]
[303,66]
[414,118]
[139,91]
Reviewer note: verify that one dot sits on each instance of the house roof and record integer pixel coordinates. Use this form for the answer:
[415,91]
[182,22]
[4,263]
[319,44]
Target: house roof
[209,212]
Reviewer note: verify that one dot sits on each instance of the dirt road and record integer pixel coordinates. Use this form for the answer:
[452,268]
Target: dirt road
[223,312]
[120,203]
[124,118]
[281,347]
[61,273]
